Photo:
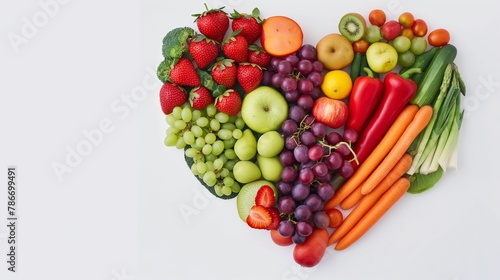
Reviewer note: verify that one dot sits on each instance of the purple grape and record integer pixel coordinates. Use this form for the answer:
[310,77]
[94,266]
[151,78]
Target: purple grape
[333,138]
[308,52]
[305,86]
[300,191]
[316,78]
[306,102]
[287,158]
[293,59]
[274,63]
[309,120]
[289,84]
[318,66]
[313,201]
[284,188]
[290,143]
[297,238]
[286,204]
[334,160]
[277,80]
[305,67]
[319,130]
[289,174]
[302,212]
[307,138]
[346,170]
[296,113]
[289,127]
[350,135]
[320,219]
[306,176]
[284,67]
[315,152]
[301,153]
[286,228]
[268,77]
[292,96]
[316,93]
[306,165]
[326,178]
[320,169]
[304,228]
[325,191]
[343,149]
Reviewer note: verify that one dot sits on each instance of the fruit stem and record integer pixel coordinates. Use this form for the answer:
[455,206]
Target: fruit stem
[369,72]
[406,74]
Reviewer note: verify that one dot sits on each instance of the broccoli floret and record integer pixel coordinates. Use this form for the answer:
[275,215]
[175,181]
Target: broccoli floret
[176,41]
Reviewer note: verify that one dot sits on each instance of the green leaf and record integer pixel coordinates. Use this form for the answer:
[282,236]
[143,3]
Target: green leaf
[421,182]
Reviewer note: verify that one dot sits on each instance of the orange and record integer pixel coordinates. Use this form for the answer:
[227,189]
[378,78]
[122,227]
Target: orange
[337,84]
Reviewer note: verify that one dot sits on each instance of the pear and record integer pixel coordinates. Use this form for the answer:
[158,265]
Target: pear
[246,171]
[270,167]
[246,147]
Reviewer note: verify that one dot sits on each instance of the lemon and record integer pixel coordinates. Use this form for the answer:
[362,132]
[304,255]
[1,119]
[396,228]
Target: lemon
[337,84]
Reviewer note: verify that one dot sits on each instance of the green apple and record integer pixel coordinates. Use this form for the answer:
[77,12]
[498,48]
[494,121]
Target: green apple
[381,57]
[264,109]
[270,144]
[246,171]
[270,167]
[246,197]
[245,147]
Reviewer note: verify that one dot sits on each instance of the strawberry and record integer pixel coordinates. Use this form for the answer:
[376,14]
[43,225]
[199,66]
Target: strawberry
[171,96]
[265,197]
[183,73]
[236,47]
[249,24]
[249,76]
[203,50]
[257,55]
[200,97]
[259,217]
[224,72]
[229,102]
[213,23]
[275,214]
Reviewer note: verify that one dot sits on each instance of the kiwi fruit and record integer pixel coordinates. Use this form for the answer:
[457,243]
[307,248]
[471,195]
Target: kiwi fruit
[352,26]
[246,197]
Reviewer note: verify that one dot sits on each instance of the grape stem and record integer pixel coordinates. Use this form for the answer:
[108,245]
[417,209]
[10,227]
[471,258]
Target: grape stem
[334,147]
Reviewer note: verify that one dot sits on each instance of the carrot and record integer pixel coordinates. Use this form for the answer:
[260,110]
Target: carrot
[352,198]
[419,122]
[367,201]
[388,199]
[377,155]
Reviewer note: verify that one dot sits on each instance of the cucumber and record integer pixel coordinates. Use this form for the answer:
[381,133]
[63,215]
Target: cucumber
[355,66]
[428,87]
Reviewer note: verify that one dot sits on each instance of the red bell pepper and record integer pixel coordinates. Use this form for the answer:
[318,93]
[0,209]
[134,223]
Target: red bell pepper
[398,91]
[365,96]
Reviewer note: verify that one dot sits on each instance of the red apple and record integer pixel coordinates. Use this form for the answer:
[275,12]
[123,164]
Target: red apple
[331,112]
[391,30]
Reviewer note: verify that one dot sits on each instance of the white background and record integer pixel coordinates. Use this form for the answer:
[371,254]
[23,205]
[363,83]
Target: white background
[76,71]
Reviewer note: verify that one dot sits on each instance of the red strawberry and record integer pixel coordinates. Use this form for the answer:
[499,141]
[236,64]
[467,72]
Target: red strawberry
[224,72]
[259,217]
[203,50]
[249,24]
[171,96]
[275,214]
[229,102]
[200,97]
[236,47]
[183,73]
[265,197]
[257,55]
[213,23]
[249,76]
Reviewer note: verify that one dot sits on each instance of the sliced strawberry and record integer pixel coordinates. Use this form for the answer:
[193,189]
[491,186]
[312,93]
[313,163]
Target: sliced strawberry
[265,197]
[259,217]
[275,214]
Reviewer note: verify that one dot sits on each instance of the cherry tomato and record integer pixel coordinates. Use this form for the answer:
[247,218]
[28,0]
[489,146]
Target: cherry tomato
[438,37]
[406,19]
[408,32]
[377,17]
[336,217]
[419,28]
[360,46]
[280,240]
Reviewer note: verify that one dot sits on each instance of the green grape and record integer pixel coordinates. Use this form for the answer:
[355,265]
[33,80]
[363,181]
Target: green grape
[210,166]
[180,124]
[170,119]
[191,152]
[188,137]
[194,169]
[197,131]
[172,130]
[229,164]
[214,124]
[217,147]
[201,167]
[207,149]
[180,144]
[230,126]
[232,119]
[239,123]
[229,143]
[218,190]
[228,181]
[202,122]
[170,140]
[211,110]
[222,117]
[223,158]
[225,134]
[200,142]
[187,114]
[210,138]
[226,190]
[218,164]
[196,115]
[210,178]
[177,112]
[237,133]
[230,154]
[236,187]
[224,173]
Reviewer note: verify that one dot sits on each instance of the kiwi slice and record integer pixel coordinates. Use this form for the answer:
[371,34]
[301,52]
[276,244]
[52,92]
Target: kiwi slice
[246,197]
[352,26]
